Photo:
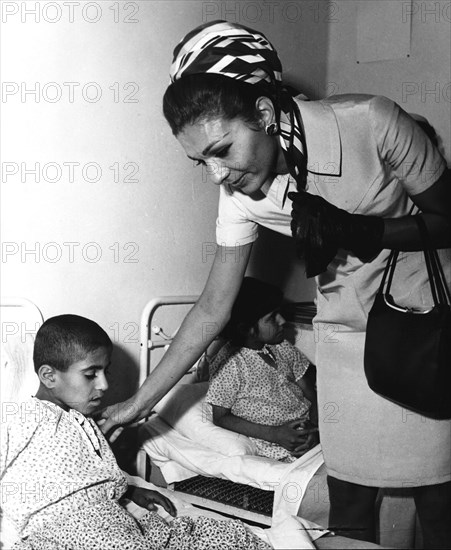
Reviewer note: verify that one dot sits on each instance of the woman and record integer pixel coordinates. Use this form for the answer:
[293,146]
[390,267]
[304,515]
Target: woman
[340,175]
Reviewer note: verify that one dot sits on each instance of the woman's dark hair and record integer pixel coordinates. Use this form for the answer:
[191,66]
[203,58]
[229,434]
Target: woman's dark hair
[205,96]
[66,339]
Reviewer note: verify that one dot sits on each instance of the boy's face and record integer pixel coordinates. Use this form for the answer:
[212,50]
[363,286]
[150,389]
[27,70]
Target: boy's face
[82,386]
[270,328]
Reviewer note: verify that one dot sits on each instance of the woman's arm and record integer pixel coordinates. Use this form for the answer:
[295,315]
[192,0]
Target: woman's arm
[320,228]
[408,146]
[435,205]
[205,320]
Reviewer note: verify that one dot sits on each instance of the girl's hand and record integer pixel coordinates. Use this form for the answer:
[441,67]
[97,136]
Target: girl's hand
[147,499]
[295,436]
[311,441]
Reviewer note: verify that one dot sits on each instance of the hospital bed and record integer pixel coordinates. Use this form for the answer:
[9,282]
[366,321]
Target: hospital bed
[20,320]
[217,469]
[211,466]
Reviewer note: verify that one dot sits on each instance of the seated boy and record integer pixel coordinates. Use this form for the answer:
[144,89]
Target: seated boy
[61,485]
[257,385]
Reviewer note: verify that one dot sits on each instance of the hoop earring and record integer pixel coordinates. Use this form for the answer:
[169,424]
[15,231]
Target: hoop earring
[272,129]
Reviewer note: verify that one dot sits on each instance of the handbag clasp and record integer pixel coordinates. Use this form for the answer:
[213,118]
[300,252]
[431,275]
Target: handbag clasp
[389,302]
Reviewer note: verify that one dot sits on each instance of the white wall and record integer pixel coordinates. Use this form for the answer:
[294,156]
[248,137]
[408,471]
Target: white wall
[162,218]
[420,83]
[151,235]
[103,248]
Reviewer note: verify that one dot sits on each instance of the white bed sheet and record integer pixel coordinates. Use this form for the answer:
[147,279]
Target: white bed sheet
[180,458]
[288,533]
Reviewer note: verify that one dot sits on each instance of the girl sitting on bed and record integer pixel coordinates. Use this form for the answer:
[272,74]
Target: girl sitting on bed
[61,485]
[257,384]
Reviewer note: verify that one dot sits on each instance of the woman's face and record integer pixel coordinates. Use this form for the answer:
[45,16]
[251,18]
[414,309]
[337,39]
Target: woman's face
[233,153]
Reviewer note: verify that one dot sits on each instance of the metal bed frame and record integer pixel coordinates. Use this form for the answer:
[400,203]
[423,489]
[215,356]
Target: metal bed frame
[229,498]
[21,302]
[147,342]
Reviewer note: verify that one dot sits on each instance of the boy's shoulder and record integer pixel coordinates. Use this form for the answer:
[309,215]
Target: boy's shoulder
[20,421]
[30,412]
[19,424]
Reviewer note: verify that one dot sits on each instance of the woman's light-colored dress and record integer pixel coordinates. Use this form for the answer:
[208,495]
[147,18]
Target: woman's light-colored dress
[365,155]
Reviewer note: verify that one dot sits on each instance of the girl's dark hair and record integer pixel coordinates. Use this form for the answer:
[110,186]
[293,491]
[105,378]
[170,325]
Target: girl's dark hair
[66,339]
[205,96]
[255,299]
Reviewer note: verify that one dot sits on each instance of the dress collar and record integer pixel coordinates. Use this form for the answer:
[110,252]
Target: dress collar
[86,429]
[265,350]
[322,137]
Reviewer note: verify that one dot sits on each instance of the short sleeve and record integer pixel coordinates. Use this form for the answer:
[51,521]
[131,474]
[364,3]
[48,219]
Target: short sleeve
[404,146]
[224,385]
[233,226]
[300,363]
[220,358]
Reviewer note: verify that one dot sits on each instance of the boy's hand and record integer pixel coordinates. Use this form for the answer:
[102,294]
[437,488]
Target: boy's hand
[295,436]
[147,499]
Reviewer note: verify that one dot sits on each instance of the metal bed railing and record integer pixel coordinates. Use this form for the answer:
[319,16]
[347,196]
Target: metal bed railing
[215,494]
[152,338]
[148,342]
[211,494]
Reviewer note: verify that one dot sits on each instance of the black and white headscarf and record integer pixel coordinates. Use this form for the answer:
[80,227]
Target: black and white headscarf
[241,53]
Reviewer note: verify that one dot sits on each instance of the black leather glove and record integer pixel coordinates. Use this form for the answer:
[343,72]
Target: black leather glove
[320,229]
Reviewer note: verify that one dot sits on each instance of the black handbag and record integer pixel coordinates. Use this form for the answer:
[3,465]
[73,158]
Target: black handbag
[408,352]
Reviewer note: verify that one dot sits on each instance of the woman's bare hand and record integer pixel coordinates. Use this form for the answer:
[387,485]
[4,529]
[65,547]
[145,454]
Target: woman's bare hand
[112,418]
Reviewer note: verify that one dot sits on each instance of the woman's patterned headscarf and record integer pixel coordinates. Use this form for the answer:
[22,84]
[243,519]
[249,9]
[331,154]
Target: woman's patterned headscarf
[241,53]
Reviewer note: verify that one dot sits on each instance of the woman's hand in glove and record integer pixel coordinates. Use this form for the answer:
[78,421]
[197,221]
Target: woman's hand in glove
[320,228]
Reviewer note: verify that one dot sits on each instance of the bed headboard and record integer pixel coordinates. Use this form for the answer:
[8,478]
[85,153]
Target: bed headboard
[153,336]
[20,320]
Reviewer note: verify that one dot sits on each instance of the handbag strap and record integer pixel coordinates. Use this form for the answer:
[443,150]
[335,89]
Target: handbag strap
[439,289]
[388,271]
[437,279]
[443,287]
[391,264]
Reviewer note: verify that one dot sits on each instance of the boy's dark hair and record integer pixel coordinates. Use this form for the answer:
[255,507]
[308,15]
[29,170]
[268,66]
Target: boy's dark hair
[66,339]
[255,299]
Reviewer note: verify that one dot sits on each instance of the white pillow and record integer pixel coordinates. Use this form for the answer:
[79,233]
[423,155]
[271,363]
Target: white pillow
[184,408]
